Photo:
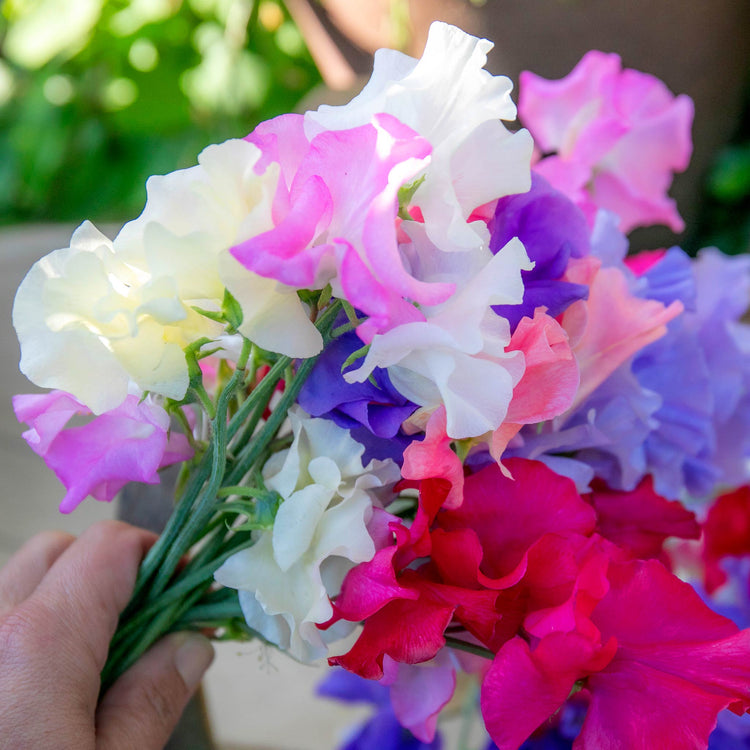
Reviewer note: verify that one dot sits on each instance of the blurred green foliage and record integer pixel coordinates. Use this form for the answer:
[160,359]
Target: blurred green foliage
[96,95]
[724,215]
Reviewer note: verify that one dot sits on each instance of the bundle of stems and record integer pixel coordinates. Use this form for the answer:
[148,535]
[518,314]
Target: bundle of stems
[221,500]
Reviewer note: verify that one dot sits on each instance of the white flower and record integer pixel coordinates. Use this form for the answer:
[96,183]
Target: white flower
[457,356]
[448,98]
[99,318]
[191,220]
[89,325]
[286,578]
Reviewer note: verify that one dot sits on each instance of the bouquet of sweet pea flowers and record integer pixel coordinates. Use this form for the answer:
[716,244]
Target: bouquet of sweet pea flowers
[417,388]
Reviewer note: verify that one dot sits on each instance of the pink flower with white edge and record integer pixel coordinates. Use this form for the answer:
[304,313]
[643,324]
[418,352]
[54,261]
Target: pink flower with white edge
[612,138]
[127,444]
[448,98]
[325,232]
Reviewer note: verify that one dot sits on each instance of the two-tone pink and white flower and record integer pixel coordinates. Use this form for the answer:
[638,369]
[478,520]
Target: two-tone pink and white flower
[450,100]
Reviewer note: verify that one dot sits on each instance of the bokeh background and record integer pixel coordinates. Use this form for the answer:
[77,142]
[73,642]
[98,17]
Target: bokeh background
[96,95]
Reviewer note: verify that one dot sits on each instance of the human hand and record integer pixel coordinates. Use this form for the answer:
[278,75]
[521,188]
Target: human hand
[60,598]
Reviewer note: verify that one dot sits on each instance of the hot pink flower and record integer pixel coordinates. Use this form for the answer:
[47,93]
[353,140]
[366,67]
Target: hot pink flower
[640,521]
[512,547]
[127,444]
[615,137]
[658,650]
[675,658]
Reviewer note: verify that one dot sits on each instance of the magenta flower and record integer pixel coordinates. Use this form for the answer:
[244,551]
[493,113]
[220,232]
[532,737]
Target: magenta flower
[611,138]
[659,649]
[127,444]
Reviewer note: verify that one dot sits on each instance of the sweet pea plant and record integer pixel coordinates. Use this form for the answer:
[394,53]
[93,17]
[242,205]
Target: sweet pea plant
[416,387]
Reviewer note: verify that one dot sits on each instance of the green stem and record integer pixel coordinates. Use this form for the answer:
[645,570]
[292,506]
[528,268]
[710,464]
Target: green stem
[470,648]
[123,658]
[204,399]
[254,449]
[260,395]
[187,582]
[468,715]
[202,510]
[155,555]
[212,615]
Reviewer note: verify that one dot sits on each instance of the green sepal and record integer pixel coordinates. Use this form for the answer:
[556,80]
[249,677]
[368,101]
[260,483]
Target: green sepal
[354,356]
[232,311]
[325,296]
[405,194]
[260,511]
[210,314]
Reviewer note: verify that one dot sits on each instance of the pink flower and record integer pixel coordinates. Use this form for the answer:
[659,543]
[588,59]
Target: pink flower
[656,649]
[127,444]
[673,653]
[612,138]
[514,551]
[550,379]
[549,382]
[611,325]
[640,521]
[325,231]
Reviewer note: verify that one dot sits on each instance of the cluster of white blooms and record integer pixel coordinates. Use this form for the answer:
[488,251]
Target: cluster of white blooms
[102,318]
[319,534]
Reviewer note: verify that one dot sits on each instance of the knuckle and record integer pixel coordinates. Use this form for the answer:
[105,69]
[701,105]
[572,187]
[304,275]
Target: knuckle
[50,543]
[111,534]
[53,538]
[106,531]
[20,637]
[162,706]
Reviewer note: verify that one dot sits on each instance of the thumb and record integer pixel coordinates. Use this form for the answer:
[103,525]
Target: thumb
[142,708]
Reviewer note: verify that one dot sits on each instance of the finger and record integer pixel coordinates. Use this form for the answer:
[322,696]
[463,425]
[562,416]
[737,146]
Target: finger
[87,588]
[142,708]
[25,570]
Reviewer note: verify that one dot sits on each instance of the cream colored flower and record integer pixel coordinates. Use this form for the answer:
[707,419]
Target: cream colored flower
[320,532]
[100,319]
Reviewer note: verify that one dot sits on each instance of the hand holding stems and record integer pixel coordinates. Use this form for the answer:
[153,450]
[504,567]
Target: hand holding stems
[60,601]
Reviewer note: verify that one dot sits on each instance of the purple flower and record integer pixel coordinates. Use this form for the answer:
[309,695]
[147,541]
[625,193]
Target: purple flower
[372,413]
[553,230]
[382,731]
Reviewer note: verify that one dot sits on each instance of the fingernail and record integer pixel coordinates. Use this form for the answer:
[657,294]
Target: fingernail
[193,657]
